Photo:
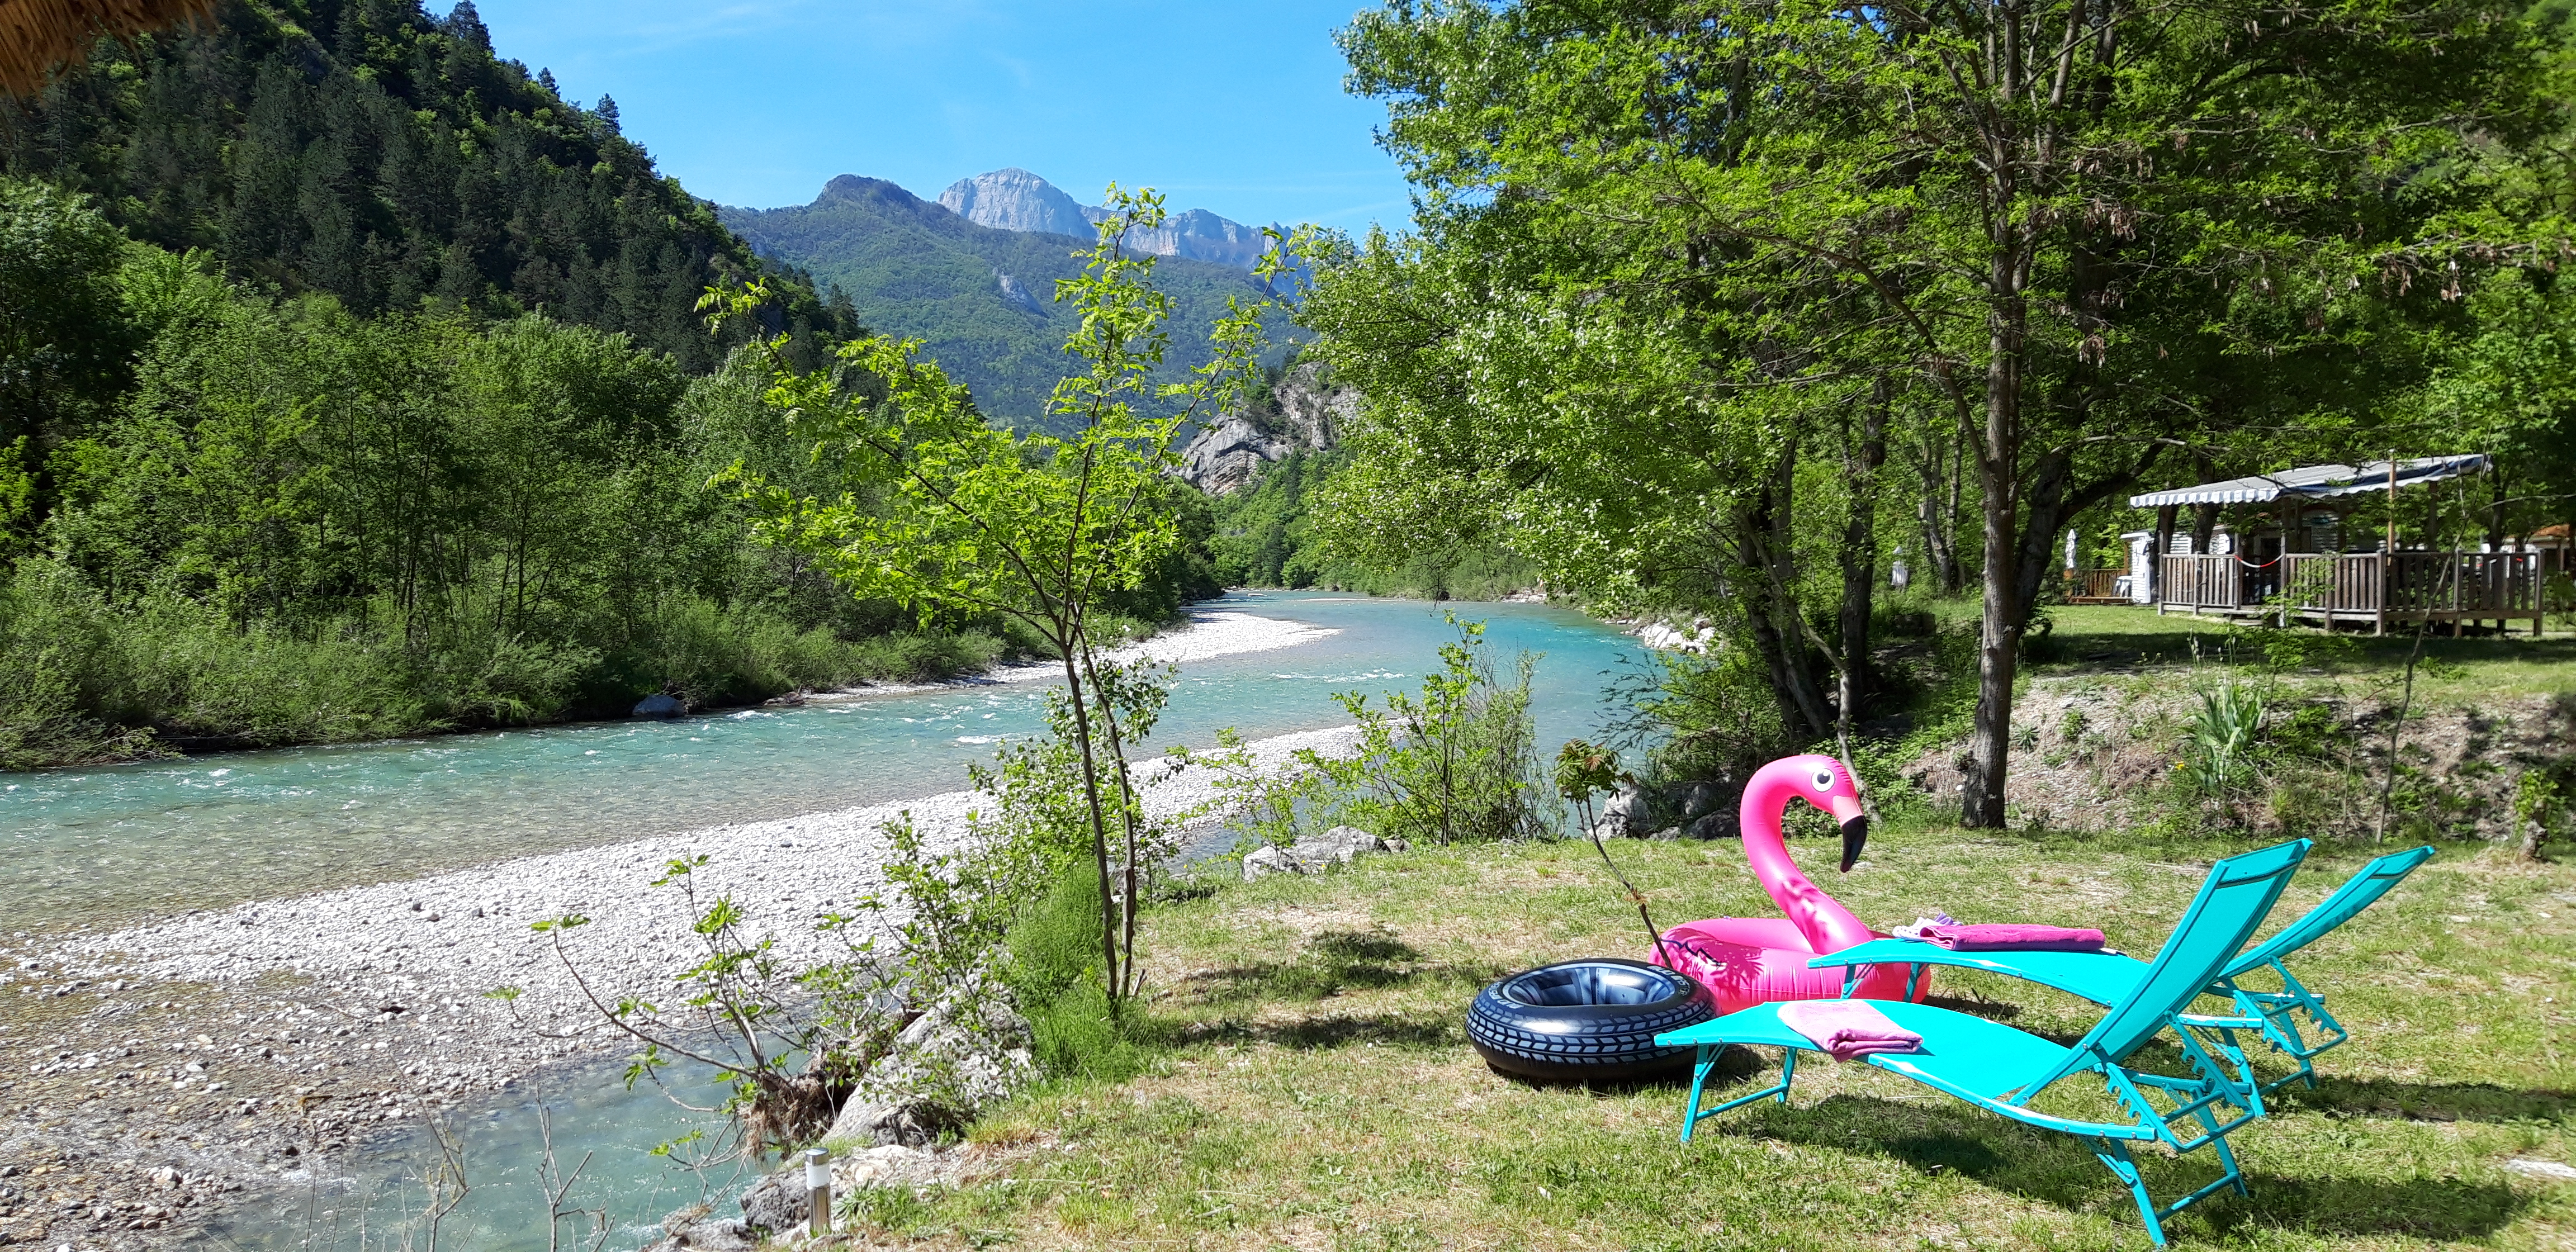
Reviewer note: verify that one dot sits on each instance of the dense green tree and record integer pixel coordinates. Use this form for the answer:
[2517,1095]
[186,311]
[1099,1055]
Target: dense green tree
[1663,243]
[65,339]
[367,150]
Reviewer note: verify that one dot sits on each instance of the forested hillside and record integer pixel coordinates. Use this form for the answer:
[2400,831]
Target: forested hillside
[273,520]
[982,300]
[352,385]
[1266,536]
[366,150]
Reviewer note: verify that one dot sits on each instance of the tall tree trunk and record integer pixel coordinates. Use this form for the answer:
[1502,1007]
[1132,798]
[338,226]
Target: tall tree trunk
[1981,801]
[1937,512]
[1860,556]
[1773,623]
[2495,508]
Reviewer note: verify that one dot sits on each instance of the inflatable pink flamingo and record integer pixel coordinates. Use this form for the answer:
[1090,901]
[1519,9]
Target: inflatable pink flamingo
[1753,960]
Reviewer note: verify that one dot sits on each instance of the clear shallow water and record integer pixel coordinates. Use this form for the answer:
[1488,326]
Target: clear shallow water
[327,816]
[92,845]
[596,1126]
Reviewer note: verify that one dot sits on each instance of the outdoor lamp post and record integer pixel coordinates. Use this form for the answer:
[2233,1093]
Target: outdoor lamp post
[818,1191]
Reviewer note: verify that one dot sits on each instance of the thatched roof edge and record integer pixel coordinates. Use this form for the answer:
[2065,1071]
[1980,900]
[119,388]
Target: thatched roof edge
[38,37]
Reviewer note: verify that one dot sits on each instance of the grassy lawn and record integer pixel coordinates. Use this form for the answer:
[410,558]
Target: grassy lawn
[2089,637]
[1314,1088]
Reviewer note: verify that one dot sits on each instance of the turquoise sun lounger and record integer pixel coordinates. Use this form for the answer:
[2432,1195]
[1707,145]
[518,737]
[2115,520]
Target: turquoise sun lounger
[2104,977]
[2001,1070]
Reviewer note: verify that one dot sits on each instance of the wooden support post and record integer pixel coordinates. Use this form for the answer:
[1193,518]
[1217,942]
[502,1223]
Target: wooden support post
[2156,561]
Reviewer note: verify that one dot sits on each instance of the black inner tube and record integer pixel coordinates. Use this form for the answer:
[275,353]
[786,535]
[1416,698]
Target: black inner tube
[1567,986]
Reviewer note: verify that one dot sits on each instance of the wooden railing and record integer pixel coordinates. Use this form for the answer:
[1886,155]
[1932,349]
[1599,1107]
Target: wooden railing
[2490,583]
[2443,584]
[2096,584]
[2199,582]
[2331,583]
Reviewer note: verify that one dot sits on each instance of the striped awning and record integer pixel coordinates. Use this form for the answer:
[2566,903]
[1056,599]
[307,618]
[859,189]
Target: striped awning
[2316,482]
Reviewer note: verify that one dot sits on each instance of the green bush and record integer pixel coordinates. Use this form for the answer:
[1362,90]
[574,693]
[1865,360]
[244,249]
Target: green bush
[1459,764]
[58,667]
[84,680]
[1715,716]
[2219,755]
[1054,973]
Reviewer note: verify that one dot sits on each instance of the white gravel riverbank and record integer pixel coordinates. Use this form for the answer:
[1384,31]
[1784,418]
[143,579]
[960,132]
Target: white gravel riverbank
[435,945]
[1210,634]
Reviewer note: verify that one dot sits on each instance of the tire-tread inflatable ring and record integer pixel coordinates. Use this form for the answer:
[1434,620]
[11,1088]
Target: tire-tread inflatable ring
[1586,1021]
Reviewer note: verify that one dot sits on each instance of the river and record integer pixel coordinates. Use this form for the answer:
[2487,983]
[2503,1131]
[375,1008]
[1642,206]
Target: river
[93,847]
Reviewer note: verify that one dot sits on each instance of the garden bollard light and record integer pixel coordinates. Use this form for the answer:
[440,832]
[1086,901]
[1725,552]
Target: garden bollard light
[818,1191]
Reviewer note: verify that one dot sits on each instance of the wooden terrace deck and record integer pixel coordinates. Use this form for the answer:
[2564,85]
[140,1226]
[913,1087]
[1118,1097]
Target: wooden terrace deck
[2361,587]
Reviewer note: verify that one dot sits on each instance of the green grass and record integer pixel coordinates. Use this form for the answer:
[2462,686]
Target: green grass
[2088,638]
[1313,1088]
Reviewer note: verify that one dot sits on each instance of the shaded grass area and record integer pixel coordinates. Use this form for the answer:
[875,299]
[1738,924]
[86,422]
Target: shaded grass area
[1314,1089]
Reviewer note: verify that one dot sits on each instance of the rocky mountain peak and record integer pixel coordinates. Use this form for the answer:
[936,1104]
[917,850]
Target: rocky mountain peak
[1015,199]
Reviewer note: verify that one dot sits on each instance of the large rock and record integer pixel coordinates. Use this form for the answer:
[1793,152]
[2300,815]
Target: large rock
[892,1165]
[708,1235]
[1313,854]
[1665,637]
[1266,860]
[1628,812]
[777,1203]
[1305,411]
[969,1050]
[904,1122]
[660,704]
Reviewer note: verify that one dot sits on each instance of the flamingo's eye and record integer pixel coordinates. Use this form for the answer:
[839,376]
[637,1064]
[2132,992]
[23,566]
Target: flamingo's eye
[1824,780]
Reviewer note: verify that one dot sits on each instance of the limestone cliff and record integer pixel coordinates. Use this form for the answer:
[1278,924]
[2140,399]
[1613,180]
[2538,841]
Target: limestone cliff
[1015,199]
[1305,410]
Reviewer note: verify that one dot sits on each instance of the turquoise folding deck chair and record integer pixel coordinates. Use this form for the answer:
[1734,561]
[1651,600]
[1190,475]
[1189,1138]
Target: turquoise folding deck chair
[2001,1070]
[2104,977]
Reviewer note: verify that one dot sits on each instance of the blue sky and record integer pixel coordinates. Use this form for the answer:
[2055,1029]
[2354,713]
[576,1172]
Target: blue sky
[1237,108]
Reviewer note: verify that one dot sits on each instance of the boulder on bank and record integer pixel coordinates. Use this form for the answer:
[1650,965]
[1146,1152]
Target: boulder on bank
[1627,813]
[893,1165]
[1314,854]
[689,1230]
[970,1049]
[661,704]
[777,1203]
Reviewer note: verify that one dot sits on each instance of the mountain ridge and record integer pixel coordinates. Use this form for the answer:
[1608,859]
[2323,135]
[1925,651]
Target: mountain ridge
[980,298]
[1014,199]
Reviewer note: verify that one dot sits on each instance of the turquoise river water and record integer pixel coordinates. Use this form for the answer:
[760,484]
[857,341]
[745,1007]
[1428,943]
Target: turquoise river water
[95,846]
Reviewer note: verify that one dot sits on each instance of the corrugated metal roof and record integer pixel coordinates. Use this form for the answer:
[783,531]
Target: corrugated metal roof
[2316,482]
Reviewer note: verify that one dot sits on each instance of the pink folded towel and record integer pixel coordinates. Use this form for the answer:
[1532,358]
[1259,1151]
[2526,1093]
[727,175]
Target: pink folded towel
[1847,1030]
[2011,937]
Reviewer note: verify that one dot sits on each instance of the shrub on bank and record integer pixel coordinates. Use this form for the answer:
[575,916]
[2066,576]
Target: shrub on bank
[85,681]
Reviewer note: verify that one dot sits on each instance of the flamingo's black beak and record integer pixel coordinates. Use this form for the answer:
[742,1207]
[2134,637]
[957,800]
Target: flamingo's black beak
[1855,822]
[1855,837]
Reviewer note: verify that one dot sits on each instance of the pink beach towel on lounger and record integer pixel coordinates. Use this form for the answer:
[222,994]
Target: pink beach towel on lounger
[1847,1030]
[2014,937]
